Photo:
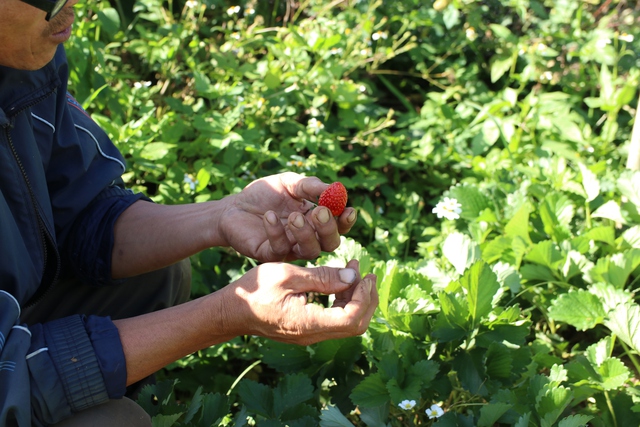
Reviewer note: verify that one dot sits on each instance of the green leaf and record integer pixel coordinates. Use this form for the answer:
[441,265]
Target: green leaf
[490,413]
[376,416]
[349,249]
[610,296]
[165,420]
[580,309]
[286,358]
[545,253]
[610,210]
[552,403]
[624,321]
[460,250]
[384,288]
[500,64]
[454,310]
[575,421]
[291,390]
[110,20]
[398,393]
[518,225]
[370,392]
[523,421]
[614,373]
[605,234]
[499,361]
[616,269]
[256,397]
[590,183]
[156,150]
[481,285]
[629,186]
[599,352]
[332,417]
[195,405]
[214,408]
[473,201]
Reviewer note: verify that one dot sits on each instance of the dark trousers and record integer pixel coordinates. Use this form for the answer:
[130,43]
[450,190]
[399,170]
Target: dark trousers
[137,295]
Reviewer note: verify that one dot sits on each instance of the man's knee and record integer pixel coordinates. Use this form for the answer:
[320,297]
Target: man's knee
[121,412]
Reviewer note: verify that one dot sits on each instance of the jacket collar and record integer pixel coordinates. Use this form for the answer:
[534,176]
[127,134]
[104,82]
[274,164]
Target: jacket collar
[20,89]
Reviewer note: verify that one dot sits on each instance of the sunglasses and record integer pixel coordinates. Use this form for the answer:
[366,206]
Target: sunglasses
[52,7]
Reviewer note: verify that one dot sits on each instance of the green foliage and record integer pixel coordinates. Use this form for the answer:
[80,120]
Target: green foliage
[521,311]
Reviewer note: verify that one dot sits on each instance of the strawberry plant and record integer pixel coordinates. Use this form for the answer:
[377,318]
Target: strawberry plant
[483,144]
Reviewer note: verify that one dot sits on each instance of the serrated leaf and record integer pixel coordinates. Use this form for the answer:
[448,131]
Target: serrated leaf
[614,373]
[491,412]
[460,251]
[610,296]
[624,321]
[610,210]
[590,182]
[481,285]
[518,225]
[424,371]
[286,358]
[552,403]
[385,287]
[604,234]
[165,420]
[500,64]
[256,397]
[545,253]
[499,361]
[371,392]
[575,421]
[376,416]
[473,201]
[629,186]
[332,417]
[599,352]
[631,237]
[616,269]
[407,392]
[194,406]
[580,308]
[454,309]
[214,408]
[291,390]
[523,421]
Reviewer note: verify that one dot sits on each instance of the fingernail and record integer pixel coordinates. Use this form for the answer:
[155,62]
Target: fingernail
[352,217]
[323,215]
[368,284]
[298,221]
[347,275]
[271,218]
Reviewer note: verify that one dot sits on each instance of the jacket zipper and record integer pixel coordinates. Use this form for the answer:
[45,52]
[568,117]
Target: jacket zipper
[46,240]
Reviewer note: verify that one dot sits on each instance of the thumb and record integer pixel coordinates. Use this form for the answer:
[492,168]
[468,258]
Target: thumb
[326,280]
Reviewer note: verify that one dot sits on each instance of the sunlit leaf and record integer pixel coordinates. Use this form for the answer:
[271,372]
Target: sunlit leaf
[624,321]
[580,308]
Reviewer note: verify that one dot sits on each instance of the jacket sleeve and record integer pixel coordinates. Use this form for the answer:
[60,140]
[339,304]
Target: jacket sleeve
[51,370]
[89,244]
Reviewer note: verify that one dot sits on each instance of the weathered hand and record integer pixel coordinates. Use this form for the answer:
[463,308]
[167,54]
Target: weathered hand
[272,219]
[271,301]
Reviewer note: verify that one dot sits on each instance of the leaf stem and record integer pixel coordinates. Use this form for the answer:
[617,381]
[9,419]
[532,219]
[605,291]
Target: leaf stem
[613,414]
[245,372]
[631,356]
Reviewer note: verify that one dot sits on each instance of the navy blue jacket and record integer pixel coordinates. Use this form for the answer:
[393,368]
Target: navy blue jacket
[59,199]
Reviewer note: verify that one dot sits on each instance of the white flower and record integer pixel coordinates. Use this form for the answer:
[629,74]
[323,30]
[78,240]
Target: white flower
[625,37]
[335,51]
[233,10]
[191,4]
[435,411]
[362,88]
[188,179]
[407,404]
[235,35]
[541,47]
[547,76]
[379,35]
[471,34]
[249,11]
[316,125]
[448,208]
[602,43]
[138,85]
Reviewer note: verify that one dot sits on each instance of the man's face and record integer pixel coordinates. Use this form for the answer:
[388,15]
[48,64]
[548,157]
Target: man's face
[27,40]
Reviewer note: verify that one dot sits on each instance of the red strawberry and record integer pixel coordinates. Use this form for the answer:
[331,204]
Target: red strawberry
[335,198]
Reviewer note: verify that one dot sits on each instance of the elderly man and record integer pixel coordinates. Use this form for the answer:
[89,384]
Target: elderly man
[93,278]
